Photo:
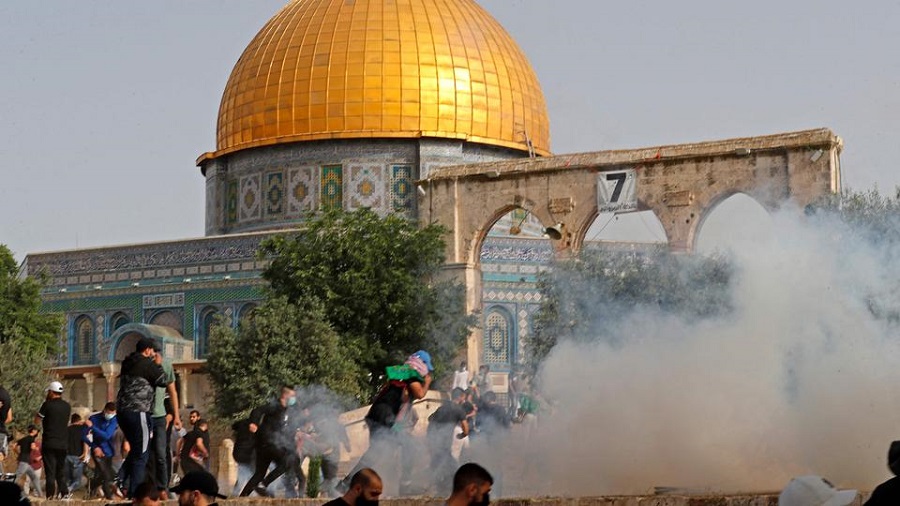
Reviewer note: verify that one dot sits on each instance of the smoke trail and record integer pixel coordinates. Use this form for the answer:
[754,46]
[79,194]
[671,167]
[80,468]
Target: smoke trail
[799,378]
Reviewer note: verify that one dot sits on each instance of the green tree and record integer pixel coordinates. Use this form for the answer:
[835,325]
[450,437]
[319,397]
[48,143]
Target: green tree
[587,297]
[28,339]
[24,374]
[20,303]
[376,279]
[282,343]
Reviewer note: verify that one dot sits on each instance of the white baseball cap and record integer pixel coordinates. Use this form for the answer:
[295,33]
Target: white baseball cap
[55,386]
[814,491]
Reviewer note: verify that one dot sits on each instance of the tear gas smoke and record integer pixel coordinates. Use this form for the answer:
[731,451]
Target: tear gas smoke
[800,378]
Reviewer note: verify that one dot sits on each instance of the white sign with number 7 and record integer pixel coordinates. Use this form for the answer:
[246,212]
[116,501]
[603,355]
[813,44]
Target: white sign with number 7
[616,191]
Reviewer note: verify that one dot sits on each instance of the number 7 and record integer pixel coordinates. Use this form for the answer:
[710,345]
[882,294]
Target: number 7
[619,178]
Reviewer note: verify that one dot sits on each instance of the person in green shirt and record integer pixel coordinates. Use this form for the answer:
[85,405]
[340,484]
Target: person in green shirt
[160,465]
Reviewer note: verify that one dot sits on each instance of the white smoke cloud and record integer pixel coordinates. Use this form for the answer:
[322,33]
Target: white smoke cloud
[799,379]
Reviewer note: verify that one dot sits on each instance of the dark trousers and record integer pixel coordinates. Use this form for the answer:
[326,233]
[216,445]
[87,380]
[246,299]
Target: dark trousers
[104,469]
[55,467]
[159,468]
[136,427]
[188,464]
[265,455]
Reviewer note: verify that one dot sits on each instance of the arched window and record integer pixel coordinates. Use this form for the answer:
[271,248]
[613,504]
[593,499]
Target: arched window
[207,320]
[246,312]
[497,336]
[117,321]
[168,319]
[84,341]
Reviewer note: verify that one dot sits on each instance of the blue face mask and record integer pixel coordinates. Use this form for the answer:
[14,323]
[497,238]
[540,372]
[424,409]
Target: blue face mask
[109,416]
[292,401]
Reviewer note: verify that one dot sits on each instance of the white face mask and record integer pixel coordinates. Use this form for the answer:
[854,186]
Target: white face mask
[109,416]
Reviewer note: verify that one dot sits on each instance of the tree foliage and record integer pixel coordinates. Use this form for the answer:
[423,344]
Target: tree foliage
[586,298]
[28,339]
[24,374]
[282,343]
[376,280]
[20,304]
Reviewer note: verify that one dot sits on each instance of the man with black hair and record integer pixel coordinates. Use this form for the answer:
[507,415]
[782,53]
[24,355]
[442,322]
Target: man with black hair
[76,452]
[888,493]
[102,428]
[54,418]
[441,425]
[273,442]
[193,448]
[25,445]
[365,489]
[146,494]
[163,418]
[471,486]
[141,375]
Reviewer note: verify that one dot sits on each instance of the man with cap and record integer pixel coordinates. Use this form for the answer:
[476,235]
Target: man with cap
[889,491]
[54,416]
[814,491]
[140,377]
[391,406]
[197,488]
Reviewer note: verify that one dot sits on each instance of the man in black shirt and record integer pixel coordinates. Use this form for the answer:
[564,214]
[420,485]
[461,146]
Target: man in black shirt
[441,425]
[54,415]
[365,489]
[76,452]
[6,416]
[274,443]
[25,445]
[141,375]
[243,452]
[194,448]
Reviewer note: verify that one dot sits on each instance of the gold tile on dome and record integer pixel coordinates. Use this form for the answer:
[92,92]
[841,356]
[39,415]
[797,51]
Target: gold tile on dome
[367,67]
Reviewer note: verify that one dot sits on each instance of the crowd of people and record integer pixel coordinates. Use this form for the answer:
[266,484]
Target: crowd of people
[131,448]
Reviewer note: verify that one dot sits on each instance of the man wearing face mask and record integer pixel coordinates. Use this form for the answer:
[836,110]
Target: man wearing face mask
[471,486]
[365,489]
[102,428]
[274,443]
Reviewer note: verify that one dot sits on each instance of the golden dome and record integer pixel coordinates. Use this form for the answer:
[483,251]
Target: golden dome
[349,69]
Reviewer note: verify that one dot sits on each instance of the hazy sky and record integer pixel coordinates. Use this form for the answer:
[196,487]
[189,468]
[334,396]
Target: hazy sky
[106,105]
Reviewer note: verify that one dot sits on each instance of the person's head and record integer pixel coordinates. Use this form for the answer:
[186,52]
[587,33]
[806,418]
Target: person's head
[473,483]
[489,398]
[75,419]
[202,425]
[54,390]
[194,416]
[147,346]
[462,365]
[458,395]
[814,491]
[146,494]
[109,410]
[894,458]
[32,430]
[287,396]
[365,488]
[197,488]
[484,369]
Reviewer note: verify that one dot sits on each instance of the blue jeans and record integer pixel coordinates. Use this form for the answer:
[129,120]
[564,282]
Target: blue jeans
[74,472]
[136,425]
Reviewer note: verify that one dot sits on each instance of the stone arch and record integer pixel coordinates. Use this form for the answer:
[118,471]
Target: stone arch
[716,205]
[481,234]
[582,233]
[246,311]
